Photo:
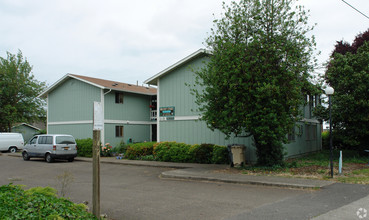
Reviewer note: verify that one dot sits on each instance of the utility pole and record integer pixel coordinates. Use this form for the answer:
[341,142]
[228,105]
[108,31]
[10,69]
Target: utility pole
[98,124]
[96,173]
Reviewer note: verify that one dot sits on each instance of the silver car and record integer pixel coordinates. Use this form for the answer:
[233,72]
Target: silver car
[51,147]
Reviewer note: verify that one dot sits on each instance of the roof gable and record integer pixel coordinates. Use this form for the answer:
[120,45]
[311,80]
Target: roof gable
[102,84]
[199,53]
[26,125]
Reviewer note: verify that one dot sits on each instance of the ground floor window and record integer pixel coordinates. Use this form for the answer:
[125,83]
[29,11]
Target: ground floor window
[118,131]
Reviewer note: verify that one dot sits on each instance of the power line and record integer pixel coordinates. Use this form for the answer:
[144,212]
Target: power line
[355,9]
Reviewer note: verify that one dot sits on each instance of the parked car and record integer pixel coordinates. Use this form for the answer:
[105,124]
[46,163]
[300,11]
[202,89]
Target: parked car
[11,142]
[51,147]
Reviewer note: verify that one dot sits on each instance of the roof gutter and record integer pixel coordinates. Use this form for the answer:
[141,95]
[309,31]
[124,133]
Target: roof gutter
[107,92]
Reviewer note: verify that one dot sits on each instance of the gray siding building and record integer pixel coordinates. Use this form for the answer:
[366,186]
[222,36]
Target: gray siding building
[165,113]
[126,109]
[183,124]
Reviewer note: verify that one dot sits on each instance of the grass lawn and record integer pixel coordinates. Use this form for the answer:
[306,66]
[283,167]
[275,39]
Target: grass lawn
[355,168]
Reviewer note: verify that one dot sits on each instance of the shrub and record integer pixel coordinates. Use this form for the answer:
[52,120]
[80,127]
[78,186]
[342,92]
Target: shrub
[180,153]
[220,155]
[84,147]
[202,153]
[38,203]
[121,148]
[172,152]
[160,151]
[139,150]
[148,158]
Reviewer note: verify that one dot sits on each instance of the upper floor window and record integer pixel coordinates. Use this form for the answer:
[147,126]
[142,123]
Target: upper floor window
[119,97]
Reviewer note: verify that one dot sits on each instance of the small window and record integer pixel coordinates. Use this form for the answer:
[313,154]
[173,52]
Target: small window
[45,140]
[118,131]
[33,140]
[65,140]
[41,140]
[119,98]
[49,140]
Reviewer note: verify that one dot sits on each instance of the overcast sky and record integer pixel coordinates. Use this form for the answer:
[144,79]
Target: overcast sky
[127,41]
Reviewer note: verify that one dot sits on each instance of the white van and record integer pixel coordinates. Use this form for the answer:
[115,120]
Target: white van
[11,142]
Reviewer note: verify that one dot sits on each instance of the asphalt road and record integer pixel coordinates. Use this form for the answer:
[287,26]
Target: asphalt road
[133,192]
[136,192]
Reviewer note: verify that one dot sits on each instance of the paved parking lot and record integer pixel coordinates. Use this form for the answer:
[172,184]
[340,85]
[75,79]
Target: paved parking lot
[136,192]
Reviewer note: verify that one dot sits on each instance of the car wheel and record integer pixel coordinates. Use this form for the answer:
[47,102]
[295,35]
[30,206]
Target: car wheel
[25,156]
[71,159]
[12,149]
[48,158]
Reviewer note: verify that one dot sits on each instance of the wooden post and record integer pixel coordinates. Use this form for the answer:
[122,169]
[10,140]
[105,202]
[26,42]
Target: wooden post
[96,174]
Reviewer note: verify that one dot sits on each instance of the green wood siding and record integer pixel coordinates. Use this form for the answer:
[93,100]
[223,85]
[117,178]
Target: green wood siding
[135,107]
[138,133]
[72,101]
[302,145]
[175,92]
[79,131]
[196,132]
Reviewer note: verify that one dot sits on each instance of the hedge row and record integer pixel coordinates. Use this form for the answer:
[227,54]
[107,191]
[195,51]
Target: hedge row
[164,151]
[178,152]
[84,147]
[139,150]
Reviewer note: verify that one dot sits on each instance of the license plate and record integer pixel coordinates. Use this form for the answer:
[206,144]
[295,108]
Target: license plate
[66,148]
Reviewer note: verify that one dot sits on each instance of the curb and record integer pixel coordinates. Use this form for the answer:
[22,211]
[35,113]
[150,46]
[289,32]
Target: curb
[140,163]
[191,174]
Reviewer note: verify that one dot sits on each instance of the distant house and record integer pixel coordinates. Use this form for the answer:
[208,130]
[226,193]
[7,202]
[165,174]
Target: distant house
[27,130]
[129,111]
[178,119]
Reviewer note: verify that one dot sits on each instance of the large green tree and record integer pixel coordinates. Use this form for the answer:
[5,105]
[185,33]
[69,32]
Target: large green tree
[348,74]
[257,74]
[18,93]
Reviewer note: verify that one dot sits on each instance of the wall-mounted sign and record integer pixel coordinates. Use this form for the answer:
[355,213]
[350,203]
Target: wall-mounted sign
[166,111]
[98,116]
